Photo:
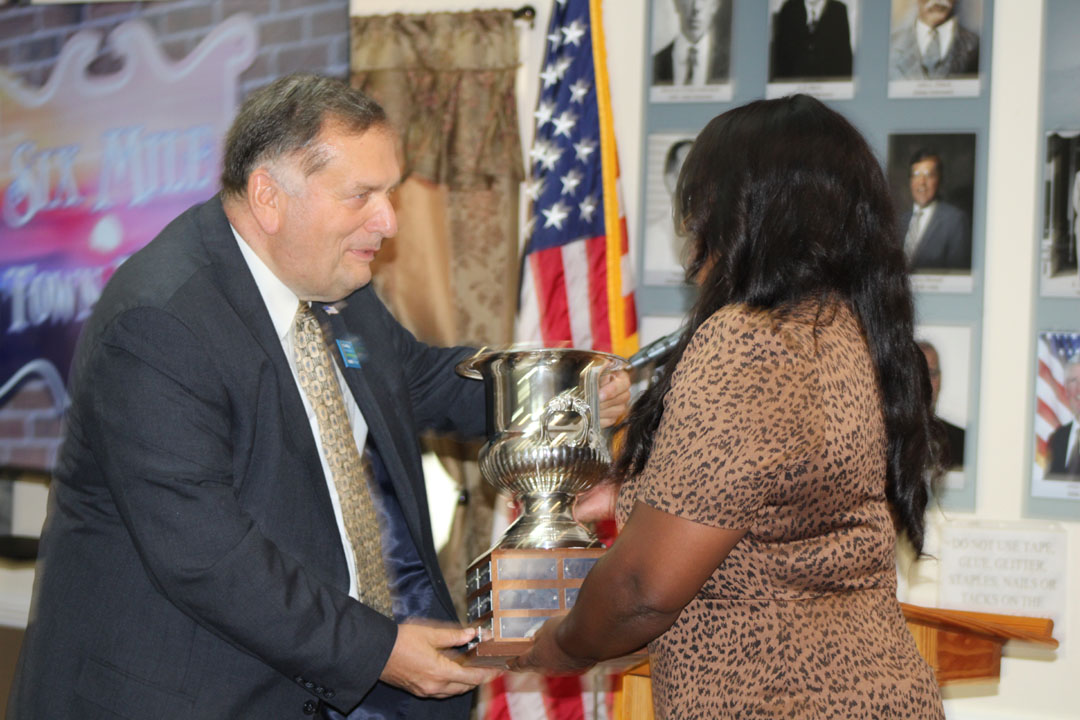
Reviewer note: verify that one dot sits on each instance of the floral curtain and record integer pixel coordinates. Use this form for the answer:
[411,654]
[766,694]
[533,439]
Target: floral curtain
[451,274]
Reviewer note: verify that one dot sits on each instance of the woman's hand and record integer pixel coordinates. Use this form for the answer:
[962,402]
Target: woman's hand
[614,397]
[547,657]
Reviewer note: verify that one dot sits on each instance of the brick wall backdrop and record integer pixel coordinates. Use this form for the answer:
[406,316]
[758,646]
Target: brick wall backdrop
[311,35]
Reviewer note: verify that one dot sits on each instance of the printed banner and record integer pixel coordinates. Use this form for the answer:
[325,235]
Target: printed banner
[92,167]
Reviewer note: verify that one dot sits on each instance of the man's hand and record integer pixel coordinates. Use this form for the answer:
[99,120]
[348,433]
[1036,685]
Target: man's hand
[419,665]
[614,397]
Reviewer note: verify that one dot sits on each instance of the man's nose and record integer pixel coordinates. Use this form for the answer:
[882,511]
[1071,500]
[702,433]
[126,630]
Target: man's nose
[384,221]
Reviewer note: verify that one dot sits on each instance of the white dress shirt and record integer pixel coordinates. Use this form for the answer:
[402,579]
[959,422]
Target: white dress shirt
[945,32]
[920,219]
[281,303]
[681,52]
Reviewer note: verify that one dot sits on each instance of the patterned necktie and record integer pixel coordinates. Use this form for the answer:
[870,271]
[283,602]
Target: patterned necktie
[691,65]
[350,470]
[932,56]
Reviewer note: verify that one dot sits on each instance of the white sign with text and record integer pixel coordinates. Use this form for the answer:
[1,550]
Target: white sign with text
[1008,568]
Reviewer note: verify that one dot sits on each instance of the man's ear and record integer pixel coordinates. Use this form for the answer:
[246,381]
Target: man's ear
[267,200]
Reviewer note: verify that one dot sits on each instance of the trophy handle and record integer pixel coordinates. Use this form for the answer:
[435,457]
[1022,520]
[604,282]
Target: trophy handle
[566,403]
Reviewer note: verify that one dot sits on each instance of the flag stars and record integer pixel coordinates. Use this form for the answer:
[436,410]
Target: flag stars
[545,153]
[551,157]
[550,76]
[534,188]
[565,123]
[543,113]
[539,150]
[570,181]
[579,90]
[555,39]
[573,33]
[555,215]
[562,65]
[587,207]
[583,149]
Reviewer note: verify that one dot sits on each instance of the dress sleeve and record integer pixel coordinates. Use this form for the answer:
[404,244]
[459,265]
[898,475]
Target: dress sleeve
[741,411]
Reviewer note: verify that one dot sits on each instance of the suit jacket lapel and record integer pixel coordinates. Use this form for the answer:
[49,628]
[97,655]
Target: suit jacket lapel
[238,286]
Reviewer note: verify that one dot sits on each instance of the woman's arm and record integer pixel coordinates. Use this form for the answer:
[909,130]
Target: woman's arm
[634,593]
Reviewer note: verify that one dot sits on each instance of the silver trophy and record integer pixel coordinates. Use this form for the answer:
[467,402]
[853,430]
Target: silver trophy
[545,445]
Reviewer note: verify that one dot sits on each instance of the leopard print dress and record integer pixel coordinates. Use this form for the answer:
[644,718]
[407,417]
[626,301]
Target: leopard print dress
[774,423]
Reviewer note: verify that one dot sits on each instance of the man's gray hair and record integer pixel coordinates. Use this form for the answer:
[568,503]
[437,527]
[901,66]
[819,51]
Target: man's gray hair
[284,118]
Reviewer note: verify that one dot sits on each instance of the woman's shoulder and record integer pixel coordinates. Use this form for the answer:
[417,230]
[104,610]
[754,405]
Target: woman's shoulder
[738,324]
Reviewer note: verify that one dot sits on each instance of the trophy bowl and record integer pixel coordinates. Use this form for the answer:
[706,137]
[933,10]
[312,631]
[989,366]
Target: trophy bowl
[545,445]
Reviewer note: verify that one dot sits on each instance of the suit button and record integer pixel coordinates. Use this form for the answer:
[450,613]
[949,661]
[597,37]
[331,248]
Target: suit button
[309,685]
[328,694]
[310,707]
[297,678]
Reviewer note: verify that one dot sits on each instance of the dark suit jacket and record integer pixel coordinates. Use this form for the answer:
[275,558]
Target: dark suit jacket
[1059,450]
[905,60]
[797,53]
[719,53]
[946,242]
[954,445]
[191,567]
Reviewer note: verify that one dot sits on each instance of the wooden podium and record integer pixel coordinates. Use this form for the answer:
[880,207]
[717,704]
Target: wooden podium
[959,645]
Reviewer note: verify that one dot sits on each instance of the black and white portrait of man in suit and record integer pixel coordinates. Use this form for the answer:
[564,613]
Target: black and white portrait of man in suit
[812,40]
[933,42]
[691,60]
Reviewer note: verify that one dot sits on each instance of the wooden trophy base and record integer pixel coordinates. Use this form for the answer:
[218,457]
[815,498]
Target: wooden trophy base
[510,593]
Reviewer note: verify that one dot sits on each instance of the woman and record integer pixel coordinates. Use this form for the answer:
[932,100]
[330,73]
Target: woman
[788,441]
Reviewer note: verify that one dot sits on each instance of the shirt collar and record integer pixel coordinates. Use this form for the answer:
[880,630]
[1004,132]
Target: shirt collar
[280,301]
[814,8]
[945,34]
[682,45]
[924,212]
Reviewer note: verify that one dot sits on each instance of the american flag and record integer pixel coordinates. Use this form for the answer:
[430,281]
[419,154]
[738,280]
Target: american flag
[1051,403]
[577,284]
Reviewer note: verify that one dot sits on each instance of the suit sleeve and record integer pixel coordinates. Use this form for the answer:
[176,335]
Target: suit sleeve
[159,416]
[441,399]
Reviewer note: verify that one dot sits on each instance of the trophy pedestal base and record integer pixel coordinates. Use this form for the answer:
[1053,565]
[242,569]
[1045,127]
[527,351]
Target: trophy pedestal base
[511,592]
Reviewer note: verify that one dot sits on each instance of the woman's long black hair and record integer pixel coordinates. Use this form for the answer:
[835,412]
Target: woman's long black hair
[783,201]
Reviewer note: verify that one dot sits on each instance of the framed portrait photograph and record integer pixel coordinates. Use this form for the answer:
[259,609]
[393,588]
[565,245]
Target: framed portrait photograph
[812,48]
[664,249]
[1061,214]
[947,349]
[934,48]
[932,181]
[1055,471]
[691,51]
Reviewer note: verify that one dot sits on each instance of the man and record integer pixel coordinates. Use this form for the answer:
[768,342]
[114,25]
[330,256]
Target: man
[935,46]
[811,41]
[1064,450]
[700,53]
[954,435]
[666,246]
[238,525]
[936,235]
